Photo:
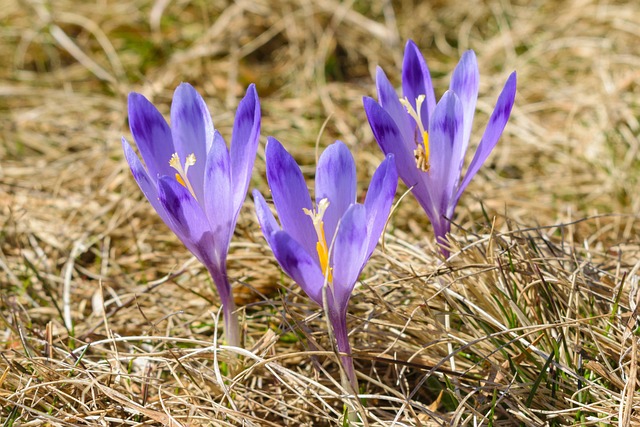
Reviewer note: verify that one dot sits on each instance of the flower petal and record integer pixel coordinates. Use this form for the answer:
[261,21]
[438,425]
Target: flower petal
[336,181]
[379,200]
[387,134]
[192,131]
[416,81]
[390,140]
[267,221]
[493,131]
[388,99]
[290,195]
[187,219]
[151,134]
[218,195]
[445,139]
[244,144]
[146,184]
[349,251]
[464,83]
[298,264]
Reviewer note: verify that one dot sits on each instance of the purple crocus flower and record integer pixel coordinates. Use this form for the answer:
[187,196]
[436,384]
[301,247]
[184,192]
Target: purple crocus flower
[429,139]
[192,180]
[331,243]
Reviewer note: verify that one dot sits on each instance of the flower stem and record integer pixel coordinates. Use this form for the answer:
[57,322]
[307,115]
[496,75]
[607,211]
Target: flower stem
[231,323]
[440,231]
[339,323]
[348,376]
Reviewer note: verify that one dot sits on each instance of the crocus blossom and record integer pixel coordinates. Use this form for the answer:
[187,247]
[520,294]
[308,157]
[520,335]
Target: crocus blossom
[192,180]
[429,139]
[328,244]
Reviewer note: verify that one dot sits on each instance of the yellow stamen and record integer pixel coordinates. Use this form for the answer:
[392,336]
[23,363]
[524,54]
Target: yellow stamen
[181,176]
[179,179]
[425,142]
[421,153]
[321,246]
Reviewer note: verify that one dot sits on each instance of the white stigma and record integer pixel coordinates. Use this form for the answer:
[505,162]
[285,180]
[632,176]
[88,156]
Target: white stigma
[321,244]
[181,175]
[421,153]
[415,112]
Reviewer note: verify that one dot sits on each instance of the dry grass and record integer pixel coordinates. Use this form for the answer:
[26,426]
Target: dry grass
[106,320]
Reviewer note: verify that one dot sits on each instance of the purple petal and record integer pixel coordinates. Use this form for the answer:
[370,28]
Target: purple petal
[266,219]
[494,129]
[298,264]
[187,219]
[390,140]
[416,81]
[192,131]
[379,200]
[218,194]
[387,134]
[349,251]
[464,83]
[388,99]
[445,139]
[244,144]
[336,181]
[290,195]
[146,184]
[151,134]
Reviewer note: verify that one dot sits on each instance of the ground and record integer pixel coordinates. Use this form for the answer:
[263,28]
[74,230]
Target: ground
[106,319]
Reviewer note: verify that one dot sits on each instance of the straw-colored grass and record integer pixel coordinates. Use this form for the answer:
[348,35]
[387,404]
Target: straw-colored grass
[105,318]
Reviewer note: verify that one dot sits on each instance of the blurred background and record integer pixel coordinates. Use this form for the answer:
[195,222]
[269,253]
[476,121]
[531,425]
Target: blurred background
[570,149]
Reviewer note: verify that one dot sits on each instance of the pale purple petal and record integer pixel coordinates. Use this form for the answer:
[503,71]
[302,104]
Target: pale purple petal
[298,264]
[151,134]
[146,184]
[389,139]
[464,83]
[267,221]
[493,131]
[192,132]
[387,135]
[416,81]
[244,144]
[336,181]
[290,195]
[388,99]
[445,138]
[349,251]
[186,218]
[379,199]
[218,193]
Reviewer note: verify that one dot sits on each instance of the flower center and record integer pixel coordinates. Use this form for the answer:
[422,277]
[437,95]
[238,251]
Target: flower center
[181,175]
[421,153]
[321,245]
